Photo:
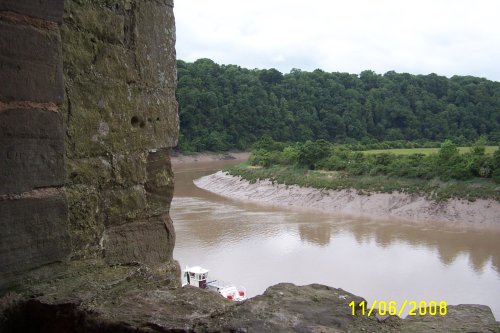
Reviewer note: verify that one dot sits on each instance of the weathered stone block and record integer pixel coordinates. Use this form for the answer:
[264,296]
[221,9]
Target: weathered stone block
[149,241]
[33,233]
[100,21]
[124,205]
[87,107]
[119,62]
[160,109]
[31,150]
[50,10]
[115,61]
[86,226]
[129,169]
[135,120]
[90,171]
[79,51]
[170,272]
[160,182]
[30,64]
[155,38]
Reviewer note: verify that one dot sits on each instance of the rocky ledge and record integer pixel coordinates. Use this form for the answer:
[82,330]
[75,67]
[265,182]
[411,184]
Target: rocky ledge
[94,297]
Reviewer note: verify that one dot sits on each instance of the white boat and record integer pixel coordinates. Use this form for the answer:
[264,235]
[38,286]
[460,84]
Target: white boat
[197,277]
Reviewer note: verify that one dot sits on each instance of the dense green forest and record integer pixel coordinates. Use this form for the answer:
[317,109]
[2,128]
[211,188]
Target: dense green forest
[223,107]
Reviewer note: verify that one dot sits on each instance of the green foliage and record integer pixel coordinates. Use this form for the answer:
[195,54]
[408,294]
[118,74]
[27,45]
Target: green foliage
[310,153]
[217,141]
[262,157]
[479,164]
[489,150]
[447,164]
[267,143]
[496,176]
[496,159]
[290,156]
[479,147]
[226,106]
[450,164]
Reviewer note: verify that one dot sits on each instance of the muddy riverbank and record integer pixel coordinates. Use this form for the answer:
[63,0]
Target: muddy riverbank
[479,214]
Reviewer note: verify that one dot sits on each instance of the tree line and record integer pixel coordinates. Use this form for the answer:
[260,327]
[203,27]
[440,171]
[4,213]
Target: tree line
[447,164]
[223,107]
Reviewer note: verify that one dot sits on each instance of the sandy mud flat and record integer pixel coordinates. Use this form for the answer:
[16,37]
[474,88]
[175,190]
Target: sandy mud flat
[481,214]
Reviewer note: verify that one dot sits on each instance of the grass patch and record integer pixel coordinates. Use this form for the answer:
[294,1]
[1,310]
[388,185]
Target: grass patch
[336,180]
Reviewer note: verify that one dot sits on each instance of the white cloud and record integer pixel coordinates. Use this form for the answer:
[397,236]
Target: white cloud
[443,36]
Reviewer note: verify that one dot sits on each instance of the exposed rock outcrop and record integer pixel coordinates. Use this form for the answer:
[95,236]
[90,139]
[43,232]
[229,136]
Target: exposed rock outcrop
[128,299]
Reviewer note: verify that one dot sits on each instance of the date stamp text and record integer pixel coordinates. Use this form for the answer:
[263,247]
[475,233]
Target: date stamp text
[382,308]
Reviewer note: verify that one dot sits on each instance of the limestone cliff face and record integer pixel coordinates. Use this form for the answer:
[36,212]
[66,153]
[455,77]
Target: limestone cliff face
[33,210]
[120,117]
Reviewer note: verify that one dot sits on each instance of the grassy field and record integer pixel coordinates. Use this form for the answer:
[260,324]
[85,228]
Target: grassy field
[433,189]
[425,151]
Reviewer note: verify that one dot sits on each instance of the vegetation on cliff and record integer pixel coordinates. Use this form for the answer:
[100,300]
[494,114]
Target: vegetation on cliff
[226,106]
[447,173]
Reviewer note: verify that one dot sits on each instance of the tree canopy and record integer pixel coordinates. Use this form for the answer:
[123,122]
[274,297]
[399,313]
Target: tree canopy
[226,106]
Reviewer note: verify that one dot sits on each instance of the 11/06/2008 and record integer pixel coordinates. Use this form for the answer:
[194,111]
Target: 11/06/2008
[421,308]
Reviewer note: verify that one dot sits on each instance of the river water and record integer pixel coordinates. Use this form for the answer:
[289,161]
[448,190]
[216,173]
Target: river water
[257,246]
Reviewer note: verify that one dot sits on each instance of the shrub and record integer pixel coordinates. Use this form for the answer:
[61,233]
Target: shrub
[260,157]
[495,161]
[290,156]
[384,159]
[496,176]
[450,164]
[311,152]
[267,143]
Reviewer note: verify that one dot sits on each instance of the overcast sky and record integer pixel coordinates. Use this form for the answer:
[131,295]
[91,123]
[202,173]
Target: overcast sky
[446,37]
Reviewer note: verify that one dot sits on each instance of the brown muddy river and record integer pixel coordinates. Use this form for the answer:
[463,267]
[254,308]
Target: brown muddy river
[257,246]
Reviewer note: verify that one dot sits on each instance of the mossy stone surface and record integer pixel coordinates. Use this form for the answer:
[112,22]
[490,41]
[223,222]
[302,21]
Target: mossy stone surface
[120,107]
[120,206]
[86,225]
[129,169]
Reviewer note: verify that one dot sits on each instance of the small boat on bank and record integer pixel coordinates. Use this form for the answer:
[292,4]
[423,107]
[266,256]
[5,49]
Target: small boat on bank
[197,276]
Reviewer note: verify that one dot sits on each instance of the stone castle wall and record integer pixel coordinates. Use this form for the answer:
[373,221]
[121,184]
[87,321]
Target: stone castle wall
[33,209]
[84,168]
[121,119]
